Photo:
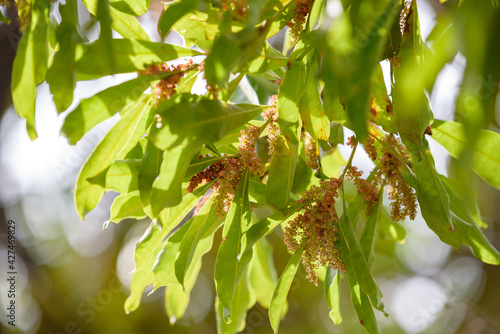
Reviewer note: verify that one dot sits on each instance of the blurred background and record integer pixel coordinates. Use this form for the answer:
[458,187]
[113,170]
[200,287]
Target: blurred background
[73,276]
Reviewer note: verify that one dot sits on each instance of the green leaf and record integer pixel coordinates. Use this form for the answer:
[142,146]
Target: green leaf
[268,60]
[363,307]
[174,12]
[411,110]
[263,276]
[434,202]
[166,190]
[485,161]
[132,7]
[127,25]
[122,176]
[280,293]
[4,19]
[131,55]
[283,163]
[197,241]
[166,222]
[332,292]
[196,27]
[90,183]
[227,264]
[311,107]
[126,206]
[196,120]
[177,298]
[367,238]
[381,105]
[149,170]
[103,105]
[464,214]
[30,64]
[243,300]
[304,175]
[360,268]
[61,76]
[279,11]
[389,229]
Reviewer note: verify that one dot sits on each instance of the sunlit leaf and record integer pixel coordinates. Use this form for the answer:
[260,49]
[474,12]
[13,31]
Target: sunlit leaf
[91,180]
[332,292]
[126,206]
[280,293]
[263,276]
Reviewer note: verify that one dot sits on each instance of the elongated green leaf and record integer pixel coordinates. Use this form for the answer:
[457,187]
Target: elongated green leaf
[367,238]
[197,241]
[283,163]
[164,267]
[166,190]
[132,7]
[62,74]
[125,206]
[263,276]
[464,214]
[196,27]
[227,272]
[90,183]
[166,222]
[486,157]
[131,55]
[127,25]
[196,120]
[173,13]
[282,288]
[435,203]
[177,297]
[149,170]
[244,299]
[411,110]
[311,107]
[30,65]
[268,60]
[102,106]
[381,108]
[143,275]
[122,176]
[389,229]
[281,12]
[363,307]
[360,268]
[332,292]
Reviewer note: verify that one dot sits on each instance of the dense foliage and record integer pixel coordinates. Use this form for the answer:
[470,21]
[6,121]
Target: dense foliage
[194,161]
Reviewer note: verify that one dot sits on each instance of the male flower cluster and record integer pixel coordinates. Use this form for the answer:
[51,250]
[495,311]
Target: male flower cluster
[226,173]
[389,163]
[296,25]
[315,229]
[310,151]
[272,128]
[165,88]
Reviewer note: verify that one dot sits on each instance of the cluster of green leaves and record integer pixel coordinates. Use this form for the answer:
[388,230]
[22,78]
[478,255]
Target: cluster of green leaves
[330,80]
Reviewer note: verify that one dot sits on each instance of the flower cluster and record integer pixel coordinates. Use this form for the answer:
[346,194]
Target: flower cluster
[272,128]
[227,175]
[296,25]
[369,190]
[400,192]
[315,229]
[227,172]
[248,155]
[165,88]
[310,151]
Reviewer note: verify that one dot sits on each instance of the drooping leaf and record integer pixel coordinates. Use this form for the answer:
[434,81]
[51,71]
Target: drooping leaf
[30,65]
[197,241]
[486,157]
[227,264]
[166,190]
[367,240]
[263,275]
[284,160]
[61,76]
[127,205]
[177,297]
[127,25]
[311,107]
[244,299]
[196,27]
[91,180]
[174,12]
[434,202]
[280,293]
[332,292]
[132,7]
[363,307]
[268,60]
